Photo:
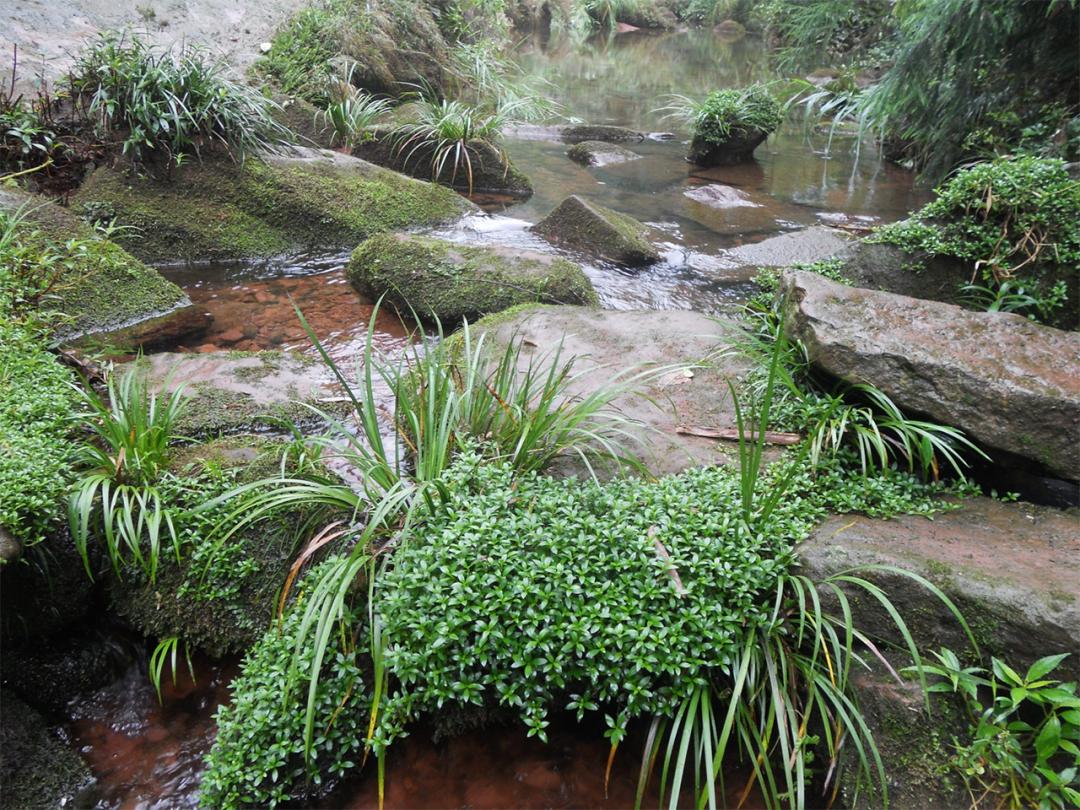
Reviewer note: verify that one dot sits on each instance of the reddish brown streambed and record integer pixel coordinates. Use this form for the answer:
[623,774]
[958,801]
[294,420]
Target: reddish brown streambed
[147,755]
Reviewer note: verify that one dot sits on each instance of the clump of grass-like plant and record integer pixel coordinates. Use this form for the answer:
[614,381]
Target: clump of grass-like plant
[116,495]
[452,135]
[725,115]
[351,114]
[169,105]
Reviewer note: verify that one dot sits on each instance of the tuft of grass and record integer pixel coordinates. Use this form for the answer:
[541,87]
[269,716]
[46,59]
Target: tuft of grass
[169,105]
[116,492]
[351,114]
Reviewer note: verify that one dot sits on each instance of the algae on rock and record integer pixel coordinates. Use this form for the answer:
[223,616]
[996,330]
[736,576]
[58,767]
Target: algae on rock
[262,207]
[448,281]
[599,232]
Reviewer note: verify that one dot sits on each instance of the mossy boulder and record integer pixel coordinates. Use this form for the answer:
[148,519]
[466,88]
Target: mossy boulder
[448,281]
[220,599]
[37,768]
[600,153]
[219,210]
[241,392]
[730,124]
[578,133]
[490,168]
[597,231]
[104,291]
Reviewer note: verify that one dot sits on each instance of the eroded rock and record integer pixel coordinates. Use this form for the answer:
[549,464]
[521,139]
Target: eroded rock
[1008,383]
[448,281]
[611,342]
[598,231]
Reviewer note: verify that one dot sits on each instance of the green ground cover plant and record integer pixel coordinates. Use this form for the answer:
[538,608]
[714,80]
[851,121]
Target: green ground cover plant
[1023,748]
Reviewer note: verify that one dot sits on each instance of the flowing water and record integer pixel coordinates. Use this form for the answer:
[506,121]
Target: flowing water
[146,755]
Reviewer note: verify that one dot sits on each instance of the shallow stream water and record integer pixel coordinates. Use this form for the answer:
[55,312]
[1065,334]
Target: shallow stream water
[149,756]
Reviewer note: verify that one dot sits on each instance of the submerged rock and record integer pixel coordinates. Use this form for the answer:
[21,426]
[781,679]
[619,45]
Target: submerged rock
[264,207]
[241,392]
[449,281]
[717,195]
[1008,383]
[1009,567]
[109,294]
[599,232]
[606,342]
[492,170]
[37,769]
[600,153]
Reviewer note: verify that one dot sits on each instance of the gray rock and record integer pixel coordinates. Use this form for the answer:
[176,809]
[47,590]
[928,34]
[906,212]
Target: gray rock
[808,245]
[598,231]
[717,195]
[598,132]
[609,342]
[449,281]
[1009,567]
[600,153]
[1010,384]
[736,149]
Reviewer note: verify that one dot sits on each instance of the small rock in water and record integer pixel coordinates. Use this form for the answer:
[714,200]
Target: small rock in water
[717,195]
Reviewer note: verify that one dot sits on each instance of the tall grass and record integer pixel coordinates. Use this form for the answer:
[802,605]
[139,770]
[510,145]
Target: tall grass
[122,460]
[170,104]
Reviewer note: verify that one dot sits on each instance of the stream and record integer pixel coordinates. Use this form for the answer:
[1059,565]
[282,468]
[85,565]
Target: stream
[147,755]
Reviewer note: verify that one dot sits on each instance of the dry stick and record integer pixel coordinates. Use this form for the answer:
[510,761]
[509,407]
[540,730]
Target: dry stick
[662,553]
[732,434]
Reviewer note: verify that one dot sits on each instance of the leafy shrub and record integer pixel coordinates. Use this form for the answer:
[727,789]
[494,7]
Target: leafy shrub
[1024,748]
[169,105]
[539,593]
[725,115]
[258,757]
[35,426]
[1004,217]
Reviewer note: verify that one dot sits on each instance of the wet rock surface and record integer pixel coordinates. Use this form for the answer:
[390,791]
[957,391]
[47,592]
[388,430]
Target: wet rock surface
[611,342]
[1010,384]
[1009,567]
[600,153]
[717,195]
[37,768]
[581,225]
[598,132]
[804,246]
[737,149]
[448,281]
[240,392]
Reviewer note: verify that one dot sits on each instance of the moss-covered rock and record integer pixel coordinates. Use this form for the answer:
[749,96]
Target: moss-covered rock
[491,169]
[599,232]
[240,392]
[37,770]
[262,207]
[577,133]
[448,281]
[103,290]
[223,595]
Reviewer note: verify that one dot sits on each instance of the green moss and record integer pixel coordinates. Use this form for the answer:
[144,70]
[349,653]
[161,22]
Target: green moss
[598,231]
[214,411]
[222,596]
[443,280]
[736,114]
[221,210]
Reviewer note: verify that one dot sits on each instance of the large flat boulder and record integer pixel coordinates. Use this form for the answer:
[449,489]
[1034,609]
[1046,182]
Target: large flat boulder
[797,247]
[1010,568]
[1010,384]
[676,407]
[447,281]
[219,210]
[581,225]
[600,153]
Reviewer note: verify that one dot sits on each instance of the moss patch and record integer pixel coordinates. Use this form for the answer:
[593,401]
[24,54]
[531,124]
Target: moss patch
[222,210]
[443,280]
[598,231]
[219,599]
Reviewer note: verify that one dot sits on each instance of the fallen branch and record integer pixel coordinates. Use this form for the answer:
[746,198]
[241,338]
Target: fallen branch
[732,435]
